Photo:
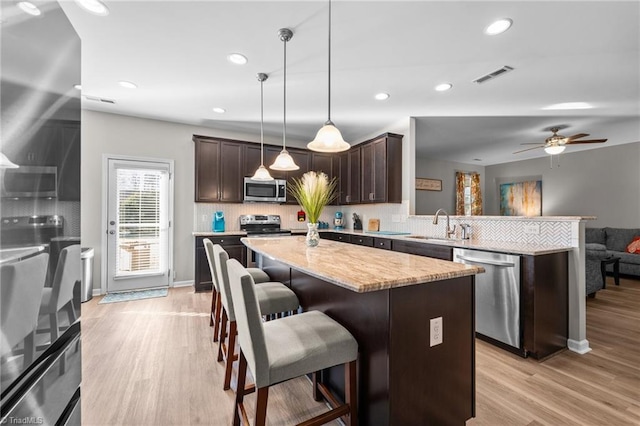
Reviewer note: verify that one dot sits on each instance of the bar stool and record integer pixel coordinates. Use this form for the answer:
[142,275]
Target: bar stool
[20,295]
[273,298]
[286,348]
[258,275]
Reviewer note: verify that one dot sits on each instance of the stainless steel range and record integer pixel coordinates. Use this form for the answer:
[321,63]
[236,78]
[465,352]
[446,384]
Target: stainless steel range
[257,225]
[262,225]
[26,231]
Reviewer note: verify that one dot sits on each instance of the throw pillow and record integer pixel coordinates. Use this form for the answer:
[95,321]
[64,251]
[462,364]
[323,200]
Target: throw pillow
[634,246]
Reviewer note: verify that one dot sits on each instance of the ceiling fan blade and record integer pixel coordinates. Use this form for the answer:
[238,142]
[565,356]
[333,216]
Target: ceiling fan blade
[577,136]
[529,149]
[586,141]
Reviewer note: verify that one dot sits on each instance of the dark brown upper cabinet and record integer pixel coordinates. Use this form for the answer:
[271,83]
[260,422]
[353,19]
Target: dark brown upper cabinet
[302,159]
[349,176]
[381,167]
[218,170]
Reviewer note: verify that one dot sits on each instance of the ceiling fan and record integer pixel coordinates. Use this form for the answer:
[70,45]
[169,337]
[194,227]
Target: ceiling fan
[555,143]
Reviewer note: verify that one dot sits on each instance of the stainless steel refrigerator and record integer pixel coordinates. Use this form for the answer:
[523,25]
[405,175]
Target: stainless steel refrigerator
[40,349]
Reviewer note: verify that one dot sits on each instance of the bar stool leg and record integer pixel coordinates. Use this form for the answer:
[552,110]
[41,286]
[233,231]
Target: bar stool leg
[351,393]
[261,406]
[231,349]
[242,376]
[217,316]
[213,306]
[223,335]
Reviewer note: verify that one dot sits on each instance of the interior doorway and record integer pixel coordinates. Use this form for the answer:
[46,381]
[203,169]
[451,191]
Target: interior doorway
[138,212]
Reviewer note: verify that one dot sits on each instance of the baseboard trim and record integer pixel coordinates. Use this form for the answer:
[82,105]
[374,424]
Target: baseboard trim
[182,283]
[581,346]
[96,292]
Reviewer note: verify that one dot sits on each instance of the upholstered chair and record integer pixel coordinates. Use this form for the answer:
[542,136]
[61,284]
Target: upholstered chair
[594,255]
[279,350]
[21,289]
[258,275]
[273,298]
[60,294]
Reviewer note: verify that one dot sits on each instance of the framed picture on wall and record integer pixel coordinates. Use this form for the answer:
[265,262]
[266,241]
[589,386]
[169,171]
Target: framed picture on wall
[425,184]
[521,198]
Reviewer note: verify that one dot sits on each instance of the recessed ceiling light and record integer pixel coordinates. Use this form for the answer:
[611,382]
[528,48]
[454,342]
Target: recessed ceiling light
[77,86]
[29,8]
[569,105]
[219,110]
[443,87]
[128,84]
[498,27]
[382,96]
[237,58]
[94,6]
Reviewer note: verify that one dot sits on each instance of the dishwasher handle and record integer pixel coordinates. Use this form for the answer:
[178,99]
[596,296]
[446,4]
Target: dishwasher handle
[486,262]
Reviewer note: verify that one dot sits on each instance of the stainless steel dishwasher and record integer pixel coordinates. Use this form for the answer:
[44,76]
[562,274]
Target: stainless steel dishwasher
[497,294]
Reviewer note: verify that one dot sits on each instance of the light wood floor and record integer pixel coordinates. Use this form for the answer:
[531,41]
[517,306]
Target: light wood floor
[151,362]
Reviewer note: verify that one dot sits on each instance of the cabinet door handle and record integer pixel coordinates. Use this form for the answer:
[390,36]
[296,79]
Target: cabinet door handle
[348,198]
[371,197]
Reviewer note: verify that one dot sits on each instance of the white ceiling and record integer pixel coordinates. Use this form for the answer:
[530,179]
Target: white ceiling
[175,51]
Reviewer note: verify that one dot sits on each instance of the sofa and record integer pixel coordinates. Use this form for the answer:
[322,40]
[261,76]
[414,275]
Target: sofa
[614,242]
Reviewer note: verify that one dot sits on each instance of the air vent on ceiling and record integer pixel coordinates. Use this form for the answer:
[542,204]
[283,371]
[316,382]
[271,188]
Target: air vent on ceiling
[493,74]
[97,99]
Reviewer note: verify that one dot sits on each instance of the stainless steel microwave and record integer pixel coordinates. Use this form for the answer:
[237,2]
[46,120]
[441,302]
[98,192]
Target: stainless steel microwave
[266,191]
[30,182]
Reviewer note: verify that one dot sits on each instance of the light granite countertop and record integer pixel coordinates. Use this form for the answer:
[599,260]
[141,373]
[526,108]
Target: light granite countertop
[15,254]
[357,268]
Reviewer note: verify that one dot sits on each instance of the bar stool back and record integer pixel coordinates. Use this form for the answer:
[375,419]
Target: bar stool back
[286,348]
[273,298]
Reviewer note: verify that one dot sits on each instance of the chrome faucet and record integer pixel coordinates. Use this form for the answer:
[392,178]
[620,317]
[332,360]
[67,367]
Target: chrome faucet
[449,231]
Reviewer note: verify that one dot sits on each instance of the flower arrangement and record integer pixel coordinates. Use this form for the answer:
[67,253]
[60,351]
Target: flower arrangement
[313,192]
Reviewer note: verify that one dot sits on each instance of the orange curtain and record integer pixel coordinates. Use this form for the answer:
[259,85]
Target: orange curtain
[460,178]
[476,195]
[475,208]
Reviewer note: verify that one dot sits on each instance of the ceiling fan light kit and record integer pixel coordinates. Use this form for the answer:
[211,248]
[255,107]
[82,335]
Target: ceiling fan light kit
[329,138]
[262,173]
[284,161]
[556,144]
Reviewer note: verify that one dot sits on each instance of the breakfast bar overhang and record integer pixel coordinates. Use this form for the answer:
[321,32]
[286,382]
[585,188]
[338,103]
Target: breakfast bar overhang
[387,300]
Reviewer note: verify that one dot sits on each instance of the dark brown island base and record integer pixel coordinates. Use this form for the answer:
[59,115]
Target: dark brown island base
[387,301]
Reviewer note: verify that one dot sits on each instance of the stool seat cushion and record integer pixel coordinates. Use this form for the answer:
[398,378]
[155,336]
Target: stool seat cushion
[275,297]
[304,343]
[258,275]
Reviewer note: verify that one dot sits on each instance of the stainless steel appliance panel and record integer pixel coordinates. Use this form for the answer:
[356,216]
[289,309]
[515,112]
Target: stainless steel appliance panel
[272,191]
[497,294]
[30,182]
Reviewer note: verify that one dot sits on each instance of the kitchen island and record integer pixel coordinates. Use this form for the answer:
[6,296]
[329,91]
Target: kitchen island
[387,301]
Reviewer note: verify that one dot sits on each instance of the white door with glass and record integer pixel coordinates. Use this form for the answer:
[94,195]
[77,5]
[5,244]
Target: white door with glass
[138,224]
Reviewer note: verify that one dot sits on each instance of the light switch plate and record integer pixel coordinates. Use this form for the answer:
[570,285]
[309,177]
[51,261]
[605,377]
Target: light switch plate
[435,331]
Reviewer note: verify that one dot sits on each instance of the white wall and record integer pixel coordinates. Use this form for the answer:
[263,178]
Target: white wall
[427,202]
[602,182]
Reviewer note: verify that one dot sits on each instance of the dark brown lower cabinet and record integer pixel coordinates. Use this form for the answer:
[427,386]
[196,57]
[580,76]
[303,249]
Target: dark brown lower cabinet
[402,380]
[423,249]
[233,246]
[545,303]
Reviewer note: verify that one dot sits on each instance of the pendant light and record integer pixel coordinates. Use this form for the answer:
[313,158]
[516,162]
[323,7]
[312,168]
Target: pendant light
[262,173]
[329,138]
[284,160]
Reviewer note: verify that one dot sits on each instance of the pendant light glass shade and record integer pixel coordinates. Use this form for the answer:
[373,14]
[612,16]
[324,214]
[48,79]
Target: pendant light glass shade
[329,138]
[5,163]
[262,173]
[284,161]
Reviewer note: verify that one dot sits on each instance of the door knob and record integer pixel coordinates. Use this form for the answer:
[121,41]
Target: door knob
[112,232]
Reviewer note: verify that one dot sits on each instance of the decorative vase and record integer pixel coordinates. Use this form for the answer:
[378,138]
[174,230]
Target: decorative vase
[313,237]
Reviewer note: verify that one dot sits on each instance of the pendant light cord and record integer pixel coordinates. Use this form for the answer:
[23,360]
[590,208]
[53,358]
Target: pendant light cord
[261,123]
[284,119]
[329,73]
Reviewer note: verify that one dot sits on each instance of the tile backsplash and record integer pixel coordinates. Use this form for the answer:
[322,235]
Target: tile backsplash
[395,217]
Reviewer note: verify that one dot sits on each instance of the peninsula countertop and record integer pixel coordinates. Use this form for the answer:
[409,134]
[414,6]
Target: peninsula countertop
[357,268]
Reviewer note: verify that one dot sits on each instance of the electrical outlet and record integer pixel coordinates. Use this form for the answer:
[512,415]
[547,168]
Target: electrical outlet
[435,331]
[532,229]
[204,218]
